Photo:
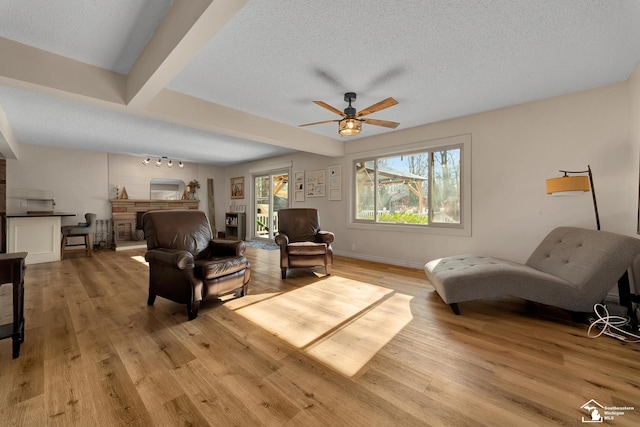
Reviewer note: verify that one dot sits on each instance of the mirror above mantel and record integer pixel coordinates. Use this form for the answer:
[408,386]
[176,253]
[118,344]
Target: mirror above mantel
[166,189]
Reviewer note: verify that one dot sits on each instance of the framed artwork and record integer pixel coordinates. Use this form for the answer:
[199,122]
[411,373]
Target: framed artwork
[237,187]
[335,182]
[298,186]
[316,183]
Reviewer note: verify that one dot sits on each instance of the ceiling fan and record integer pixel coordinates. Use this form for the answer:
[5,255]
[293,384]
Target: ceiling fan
[351,122]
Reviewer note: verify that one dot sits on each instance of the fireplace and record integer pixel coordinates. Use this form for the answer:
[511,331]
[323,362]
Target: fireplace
[127,215]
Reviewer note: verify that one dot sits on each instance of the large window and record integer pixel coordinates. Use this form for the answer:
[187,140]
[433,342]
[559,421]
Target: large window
[419,187]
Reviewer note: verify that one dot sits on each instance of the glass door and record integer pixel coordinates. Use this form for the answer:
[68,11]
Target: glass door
[271,195]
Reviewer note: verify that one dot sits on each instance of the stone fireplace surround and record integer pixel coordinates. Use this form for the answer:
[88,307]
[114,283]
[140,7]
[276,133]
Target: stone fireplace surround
[124,213]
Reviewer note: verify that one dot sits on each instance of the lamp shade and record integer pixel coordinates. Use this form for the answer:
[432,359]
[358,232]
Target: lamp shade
[349,127]
[568,184]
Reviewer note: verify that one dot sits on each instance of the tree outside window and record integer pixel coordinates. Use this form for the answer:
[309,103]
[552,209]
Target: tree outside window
[420,188]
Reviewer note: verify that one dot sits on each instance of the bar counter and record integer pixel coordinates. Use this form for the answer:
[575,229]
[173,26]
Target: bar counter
[37,233]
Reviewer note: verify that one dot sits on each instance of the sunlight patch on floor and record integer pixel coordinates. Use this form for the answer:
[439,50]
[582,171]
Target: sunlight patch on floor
[342,322]
[237,303]
[140,259]
[351,347]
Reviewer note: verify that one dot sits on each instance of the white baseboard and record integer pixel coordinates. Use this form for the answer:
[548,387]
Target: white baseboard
[382,260]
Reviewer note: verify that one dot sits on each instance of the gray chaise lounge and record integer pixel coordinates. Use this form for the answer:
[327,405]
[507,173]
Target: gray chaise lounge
[572,268]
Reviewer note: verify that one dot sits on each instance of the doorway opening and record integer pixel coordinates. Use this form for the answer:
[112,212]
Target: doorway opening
[271,194]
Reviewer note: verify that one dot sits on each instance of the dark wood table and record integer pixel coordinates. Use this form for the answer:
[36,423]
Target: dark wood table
[12,268]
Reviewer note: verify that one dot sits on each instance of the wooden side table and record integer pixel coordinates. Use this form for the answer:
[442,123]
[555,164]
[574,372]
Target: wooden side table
[12,268]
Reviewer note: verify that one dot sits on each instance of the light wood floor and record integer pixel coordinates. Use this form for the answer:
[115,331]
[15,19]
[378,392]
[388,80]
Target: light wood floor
[96,355]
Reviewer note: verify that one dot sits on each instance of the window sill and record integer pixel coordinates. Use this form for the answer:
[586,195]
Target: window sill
[408,228]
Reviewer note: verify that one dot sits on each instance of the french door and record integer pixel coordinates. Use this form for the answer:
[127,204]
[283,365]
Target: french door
[271,192]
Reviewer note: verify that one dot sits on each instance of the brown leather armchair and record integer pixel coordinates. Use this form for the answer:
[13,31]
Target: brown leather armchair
[186,265]
[302,243]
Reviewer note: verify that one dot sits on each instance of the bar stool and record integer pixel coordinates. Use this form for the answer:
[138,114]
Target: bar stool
[83,229]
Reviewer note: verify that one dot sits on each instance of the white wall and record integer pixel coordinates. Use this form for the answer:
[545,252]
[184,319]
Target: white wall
[77,178]
[634,112]
[84,181]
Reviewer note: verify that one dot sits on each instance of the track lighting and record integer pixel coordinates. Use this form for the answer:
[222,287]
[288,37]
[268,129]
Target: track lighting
[159,162]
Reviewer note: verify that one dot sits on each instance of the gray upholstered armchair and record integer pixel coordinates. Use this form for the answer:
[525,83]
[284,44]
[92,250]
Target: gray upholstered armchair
[572,268]
[302,243]
[186,265]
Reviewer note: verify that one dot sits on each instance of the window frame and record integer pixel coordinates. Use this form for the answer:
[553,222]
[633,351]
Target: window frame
[463,228]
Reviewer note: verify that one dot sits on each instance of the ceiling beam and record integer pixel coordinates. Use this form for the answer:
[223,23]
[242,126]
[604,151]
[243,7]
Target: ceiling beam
[186,28]
[8,143]
[29,68]
[197,113]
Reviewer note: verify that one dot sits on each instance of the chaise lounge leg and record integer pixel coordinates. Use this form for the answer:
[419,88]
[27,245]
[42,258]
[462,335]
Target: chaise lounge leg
[454,308]
[579,317]
[151,299]
[192,309]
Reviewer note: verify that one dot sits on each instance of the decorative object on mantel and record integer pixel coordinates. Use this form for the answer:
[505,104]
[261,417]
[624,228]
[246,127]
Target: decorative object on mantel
[191,189]
[123,194]
[159,161]
[571,185]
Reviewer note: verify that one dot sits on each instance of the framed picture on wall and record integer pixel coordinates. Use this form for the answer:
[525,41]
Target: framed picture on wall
[335,182]
[237,187]
[315,183]
[298,186]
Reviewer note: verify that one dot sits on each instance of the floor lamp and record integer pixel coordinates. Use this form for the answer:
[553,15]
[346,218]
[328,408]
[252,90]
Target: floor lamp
[568,185]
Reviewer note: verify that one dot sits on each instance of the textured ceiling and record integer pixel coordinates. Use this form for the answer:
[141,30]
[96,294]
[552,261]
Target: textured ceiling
[272,58]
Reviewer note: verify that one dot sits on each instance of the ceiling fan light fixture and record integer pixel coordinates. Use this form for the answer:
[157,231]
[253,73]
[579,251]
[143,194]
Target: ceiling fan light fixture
[349,127]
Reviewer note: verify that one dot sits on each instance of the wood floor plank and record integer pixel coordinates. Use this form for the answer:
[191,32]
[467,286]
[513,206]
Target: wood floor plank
[115,395]
[212,398]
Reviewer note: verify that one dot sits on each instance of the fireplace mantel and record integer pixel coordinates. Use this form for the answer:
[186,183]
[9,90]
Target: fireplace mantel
[124,214]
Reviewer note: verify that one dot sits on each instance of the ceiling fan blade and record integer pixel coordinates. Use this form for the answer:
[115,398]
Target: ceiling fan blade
[386,103]
[318,123]
[384,123]
[330,108]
